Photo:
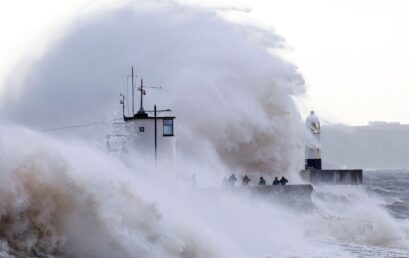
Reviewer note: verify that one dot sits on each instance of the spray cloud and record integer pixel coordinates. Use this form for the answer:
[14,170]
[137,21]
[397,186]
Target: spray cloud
[226,84]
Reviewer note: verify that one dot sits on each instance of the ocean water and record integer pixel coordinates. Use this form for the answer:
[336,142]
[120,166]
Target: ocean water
[393,187]
[62,198]
[389,189]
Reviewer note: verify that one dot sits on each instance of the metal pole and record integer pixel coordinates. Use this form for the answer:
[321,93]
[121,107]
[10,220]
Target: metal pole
[156,134]
[133,94]
[123,110]
[141,108]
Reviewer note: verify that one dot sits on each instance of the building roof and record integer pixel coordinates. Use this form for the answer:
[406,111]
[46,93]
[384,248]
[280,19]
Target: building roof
[138,117]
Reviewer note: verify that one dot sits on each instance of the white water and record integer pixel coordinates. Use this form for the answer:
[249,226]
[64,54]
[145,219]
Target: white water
[232,97]
[67,198]
[228,87]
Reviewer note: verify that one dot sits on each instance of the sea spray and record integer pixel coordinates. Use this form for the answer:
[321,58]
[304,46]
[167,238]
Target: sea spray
[348,214]
[226,83]
[67,198]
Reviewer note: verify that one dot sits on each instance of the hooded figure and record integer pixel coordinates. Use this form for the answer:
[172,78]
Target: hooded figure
[262,181]
[276,181]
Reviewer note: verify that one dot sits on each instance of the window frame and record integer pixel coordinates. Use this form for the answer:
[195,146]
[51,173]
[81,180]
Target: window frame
[172,133]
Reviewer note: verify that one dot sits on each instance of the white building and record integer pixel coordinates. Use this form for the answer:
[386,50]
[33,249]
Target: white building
[151,135]
[147,132]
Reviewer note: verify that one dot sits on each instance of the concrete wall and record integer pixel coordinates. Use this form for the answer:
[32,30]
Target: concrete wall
[296,196]
[333,176]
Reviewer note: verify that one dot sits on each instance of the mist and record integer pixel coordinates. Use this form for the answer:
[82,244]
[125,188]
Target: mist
[226,84]
[65,198]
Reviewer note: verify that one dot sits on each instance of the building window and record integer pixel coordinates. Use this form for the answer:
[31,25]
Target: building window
[168,127]
[141,129]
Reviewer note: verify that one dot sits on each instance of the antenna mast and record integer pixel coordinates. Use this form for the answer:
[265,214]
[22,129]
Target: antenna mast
[133,93]
[143,92]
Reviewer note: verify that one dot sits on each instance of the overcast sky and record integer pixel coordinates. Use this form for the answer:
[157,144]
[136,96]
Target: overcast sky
[353,54]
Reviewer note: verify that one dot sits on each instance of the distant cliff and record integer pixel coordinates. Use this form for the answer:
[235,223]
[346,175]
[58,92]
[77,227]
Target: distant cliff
[379,145]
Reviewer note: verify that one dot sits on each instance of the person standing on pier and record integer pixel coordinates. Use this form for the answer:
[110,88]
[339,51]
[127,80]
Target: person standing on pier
[283,180]
[232,179]
[262,181]
[245,180]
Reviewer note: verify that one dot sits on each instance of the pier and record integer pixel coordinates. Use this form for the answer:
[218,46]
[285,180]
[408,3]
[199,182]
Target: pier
[333,176]
[294,196]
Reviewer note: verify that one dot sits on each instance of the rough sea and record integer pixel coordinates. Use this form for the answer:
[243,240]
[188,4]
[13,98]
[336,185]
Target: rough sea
[391,188]
[347,221]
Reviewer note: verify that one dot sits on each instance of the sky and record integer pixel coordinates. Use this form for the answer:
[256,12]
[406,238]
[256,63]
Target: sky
[353,54]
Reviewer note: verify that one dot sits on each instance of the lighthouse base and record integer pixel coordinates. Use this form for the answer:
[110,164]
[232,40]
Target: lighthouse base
[313,164]
[333,176]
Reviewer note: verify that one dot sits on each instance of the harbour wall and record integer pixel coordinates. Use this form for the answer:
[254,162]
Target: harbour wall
[296,196]
[333,176]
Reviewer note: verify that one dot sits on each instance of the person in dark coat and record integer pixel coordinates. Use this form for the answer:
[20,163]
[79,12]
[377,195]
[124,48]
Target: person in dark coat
[276,181]
[283,180]
[245,180]
[232,179]
[262,181]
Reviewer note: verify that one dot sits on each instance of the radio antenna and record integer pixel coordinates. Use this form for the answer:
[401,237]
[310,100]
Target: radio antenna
[142,93]
[133,93]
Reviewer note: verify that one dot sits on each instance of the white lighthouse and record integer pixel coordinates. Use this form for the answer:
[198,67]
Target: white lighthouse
[313,171]
[313,151]
[148,131]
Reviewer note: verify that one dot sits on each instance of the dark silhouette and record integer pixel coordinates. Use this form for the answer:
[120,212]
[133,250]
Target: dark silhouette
[262,181]
[276,181]
[283,181]
[246,180]
[232,179]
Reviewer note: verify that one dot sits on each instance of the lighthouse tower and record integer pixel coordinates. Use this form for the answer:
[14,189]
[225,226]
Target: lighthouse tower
[313,152]
[313,171]
[148,131]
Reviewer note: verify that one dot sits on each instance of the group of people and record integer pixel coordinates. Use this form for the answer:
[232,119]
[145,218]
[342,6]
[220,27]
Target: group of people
[246,180]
